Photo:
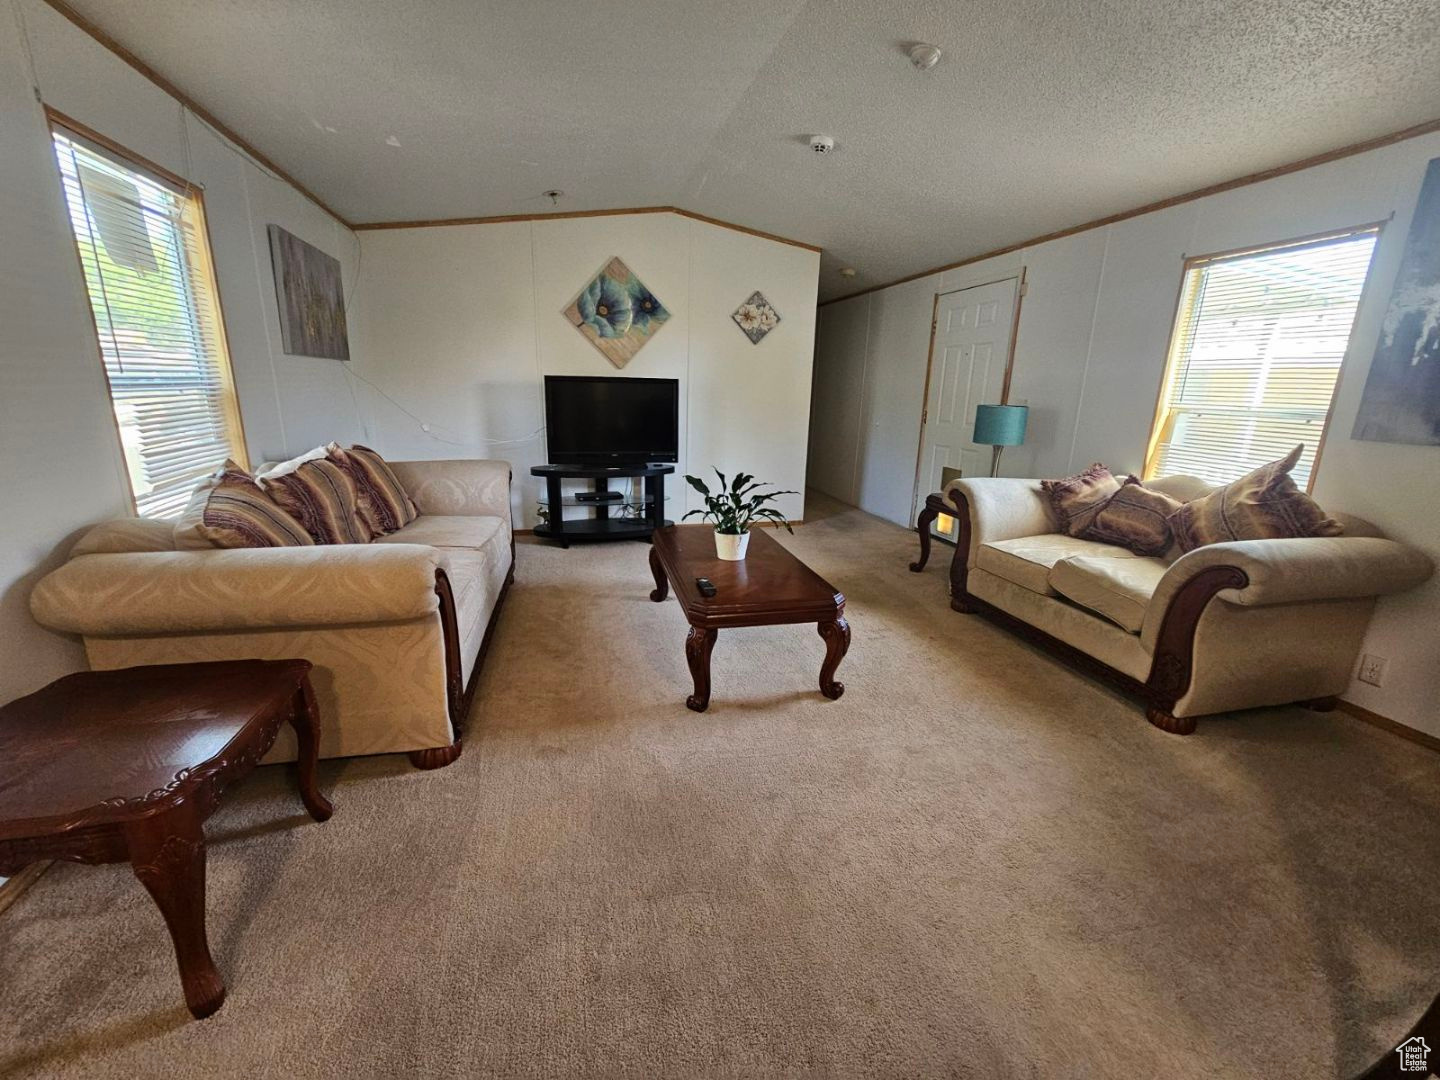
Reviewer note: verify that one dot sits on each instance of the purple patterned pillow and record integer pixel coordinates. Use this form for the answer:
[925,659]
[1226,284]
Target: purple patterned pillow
[1077,499]
[1135,517]
[1265,504]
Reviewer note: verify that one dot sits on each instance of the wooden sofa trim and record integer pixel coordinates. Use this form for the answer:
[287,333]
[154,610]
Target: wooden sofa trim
[1172,667]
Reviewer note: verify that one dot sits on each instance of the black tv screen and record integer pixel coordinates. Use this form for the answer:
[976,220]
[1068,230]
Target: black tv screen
[610,420]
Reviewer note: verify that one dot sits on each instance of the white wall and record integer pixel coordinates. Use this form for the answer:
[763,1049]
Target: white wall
[62,466]
[288,403]
[471,322]
[1090,354]
[59,455]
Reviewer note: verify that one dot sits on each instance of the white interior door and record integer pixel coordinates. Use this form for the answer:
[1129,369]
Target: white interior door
[967,368]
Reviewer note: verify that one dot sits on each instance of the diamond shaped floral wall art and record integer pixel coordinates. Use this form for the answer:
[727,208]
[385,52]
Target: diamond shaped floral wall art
[617,313]
[756,317]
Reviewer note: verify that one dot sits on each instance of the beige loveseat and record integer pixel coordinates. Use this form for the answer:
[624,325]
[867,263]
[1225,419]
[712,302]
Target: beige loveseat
[396,628]
[1226,626]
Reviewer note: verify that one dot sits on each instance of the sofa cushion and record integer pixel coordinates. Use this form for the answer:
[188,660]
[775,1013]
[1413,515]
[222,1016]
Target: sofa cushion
[1264,504]
[1077,499]
[1119,589]
[1026,561]
[321,494]
[440,530]
[1181,486]
[478,550]
[124,535]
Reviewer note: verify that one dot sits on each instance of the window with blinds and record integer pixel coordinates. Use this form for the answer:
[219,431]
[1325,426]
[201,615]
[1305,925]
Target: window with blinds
[1255,354]
[142,244]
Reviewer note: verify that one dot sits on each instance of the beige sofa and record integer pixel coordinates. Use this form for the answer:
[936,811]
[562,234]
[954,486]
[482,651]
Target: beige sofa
[396,628]
[1226,626]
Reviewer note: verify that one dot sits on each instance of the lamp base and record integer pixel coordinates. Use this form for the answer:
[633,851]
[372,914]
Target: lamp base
[995,452]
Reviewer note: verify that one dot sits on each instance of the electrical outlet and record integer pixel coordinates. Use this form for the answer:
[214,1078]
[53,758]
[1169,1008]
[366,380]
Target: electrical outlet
[1372,669]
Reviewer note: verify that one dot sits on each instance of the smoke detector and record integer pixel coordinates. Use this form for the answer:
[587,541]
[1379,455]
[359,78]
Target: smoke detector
[847,271]
[924,56]
[822,144]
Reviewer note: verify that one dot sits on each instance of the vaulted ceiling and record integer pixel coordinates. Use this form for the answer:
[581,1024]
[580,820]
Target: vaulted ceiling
[1042,113]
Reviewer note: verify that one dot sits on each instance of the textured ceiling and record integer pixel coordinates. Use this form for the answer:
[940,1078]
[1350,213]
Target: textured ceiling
[1041,115]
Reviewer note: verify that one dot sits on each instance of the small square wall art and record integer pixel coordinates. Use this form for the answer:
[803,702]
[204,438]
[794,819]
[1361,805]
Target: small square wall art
[616,313]
[756,317]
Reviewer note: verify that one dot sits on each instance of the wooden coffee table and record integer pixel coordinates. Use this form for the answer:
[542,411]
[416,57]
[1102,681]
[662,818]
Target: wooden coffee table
[106,766]
[769,586]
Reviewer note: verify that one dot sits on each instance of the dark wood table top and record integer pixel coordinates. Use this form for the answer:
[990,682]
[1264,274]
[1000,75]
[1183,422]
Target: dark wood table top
[768,586]
[100,746]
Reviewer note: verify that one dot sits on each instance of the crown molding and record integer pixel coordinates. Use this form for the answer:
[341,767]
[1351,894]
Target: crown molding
[1427,128]
[561,215]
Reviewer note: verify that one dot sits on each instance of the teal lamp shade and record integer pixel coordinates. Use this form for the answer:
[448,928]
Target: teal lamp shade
[1001,425]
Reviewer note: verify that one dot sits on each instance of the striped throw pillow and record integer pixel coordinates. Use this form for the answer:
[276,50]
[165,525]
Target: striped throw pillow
[384,504]
[321,495]
[230,510]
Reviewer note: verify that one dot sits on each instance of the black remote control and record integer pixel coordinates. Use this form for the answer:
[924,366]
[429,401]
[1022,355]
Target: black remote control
[705,585]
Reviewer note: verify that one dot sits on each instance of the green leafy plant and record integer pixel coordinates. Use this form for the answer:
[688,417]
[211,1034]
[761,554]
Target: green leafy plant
[738,504]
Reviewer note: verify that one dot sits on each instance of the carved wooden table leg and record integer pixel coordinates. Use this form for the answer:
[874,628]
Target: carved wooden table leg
[305,719]
[698,644]
[662,584]
[837,643]
[922,526]
[167,853]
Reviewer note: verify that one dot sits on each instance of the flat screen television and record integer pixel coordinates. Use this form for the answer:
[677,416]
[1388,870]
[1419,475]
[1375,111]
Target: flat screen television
[611,420]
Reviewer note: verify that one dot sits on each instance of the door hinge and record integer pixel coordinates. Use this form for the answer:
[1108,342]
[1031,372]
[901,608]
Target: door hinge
[924,415]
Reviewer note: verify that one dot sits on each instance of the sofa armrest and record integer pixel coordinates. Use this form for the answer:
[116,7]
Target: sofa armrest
[1002,508]
[466,488]
[1295,571]
[239,589]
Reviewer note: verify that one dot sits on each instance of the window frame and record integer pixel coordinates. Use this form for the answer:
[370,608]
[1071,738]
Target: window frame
[194,195]
[1171,365]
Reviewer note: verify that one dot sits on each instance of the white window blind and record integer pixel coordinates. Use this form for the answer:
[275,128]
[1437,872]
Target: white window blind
[147,270]
[1255,354]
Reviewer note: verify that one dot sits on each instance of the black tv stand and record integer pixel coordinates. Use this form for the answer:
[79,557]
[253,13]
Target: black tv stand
[602,526]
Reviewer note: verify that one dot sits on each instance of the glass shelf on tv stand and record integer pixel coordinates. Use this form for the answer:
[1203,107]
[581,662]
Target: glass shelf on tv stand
[590,504]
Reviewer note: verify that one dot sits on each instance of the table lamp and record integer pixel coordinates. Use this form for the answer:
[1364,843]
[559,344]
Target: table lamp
[1000,426]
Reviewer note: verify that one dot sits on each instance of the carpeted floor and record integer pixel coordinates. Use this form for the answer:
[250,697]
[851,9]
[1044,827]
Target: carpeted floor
[975,863]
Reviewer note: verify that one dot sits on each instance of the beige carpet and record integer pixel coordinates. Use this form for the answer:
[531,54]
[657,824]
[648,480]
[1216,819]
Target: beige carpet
[976,863]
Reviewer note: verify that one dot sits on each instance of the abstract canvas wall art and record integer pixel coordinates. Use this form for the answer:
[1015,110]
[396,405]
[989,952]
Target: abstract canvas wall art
[311,301]
[1401,402]
[756,317]
[616,313]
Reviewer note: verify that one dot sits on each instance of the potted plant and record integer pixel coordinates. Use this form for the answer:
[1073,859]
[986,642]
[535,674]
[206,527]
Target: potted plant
[732,510]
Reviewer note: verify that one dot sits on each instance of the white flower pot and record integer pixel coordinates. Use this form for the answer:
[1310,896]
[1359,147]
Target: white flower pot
[731,546]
